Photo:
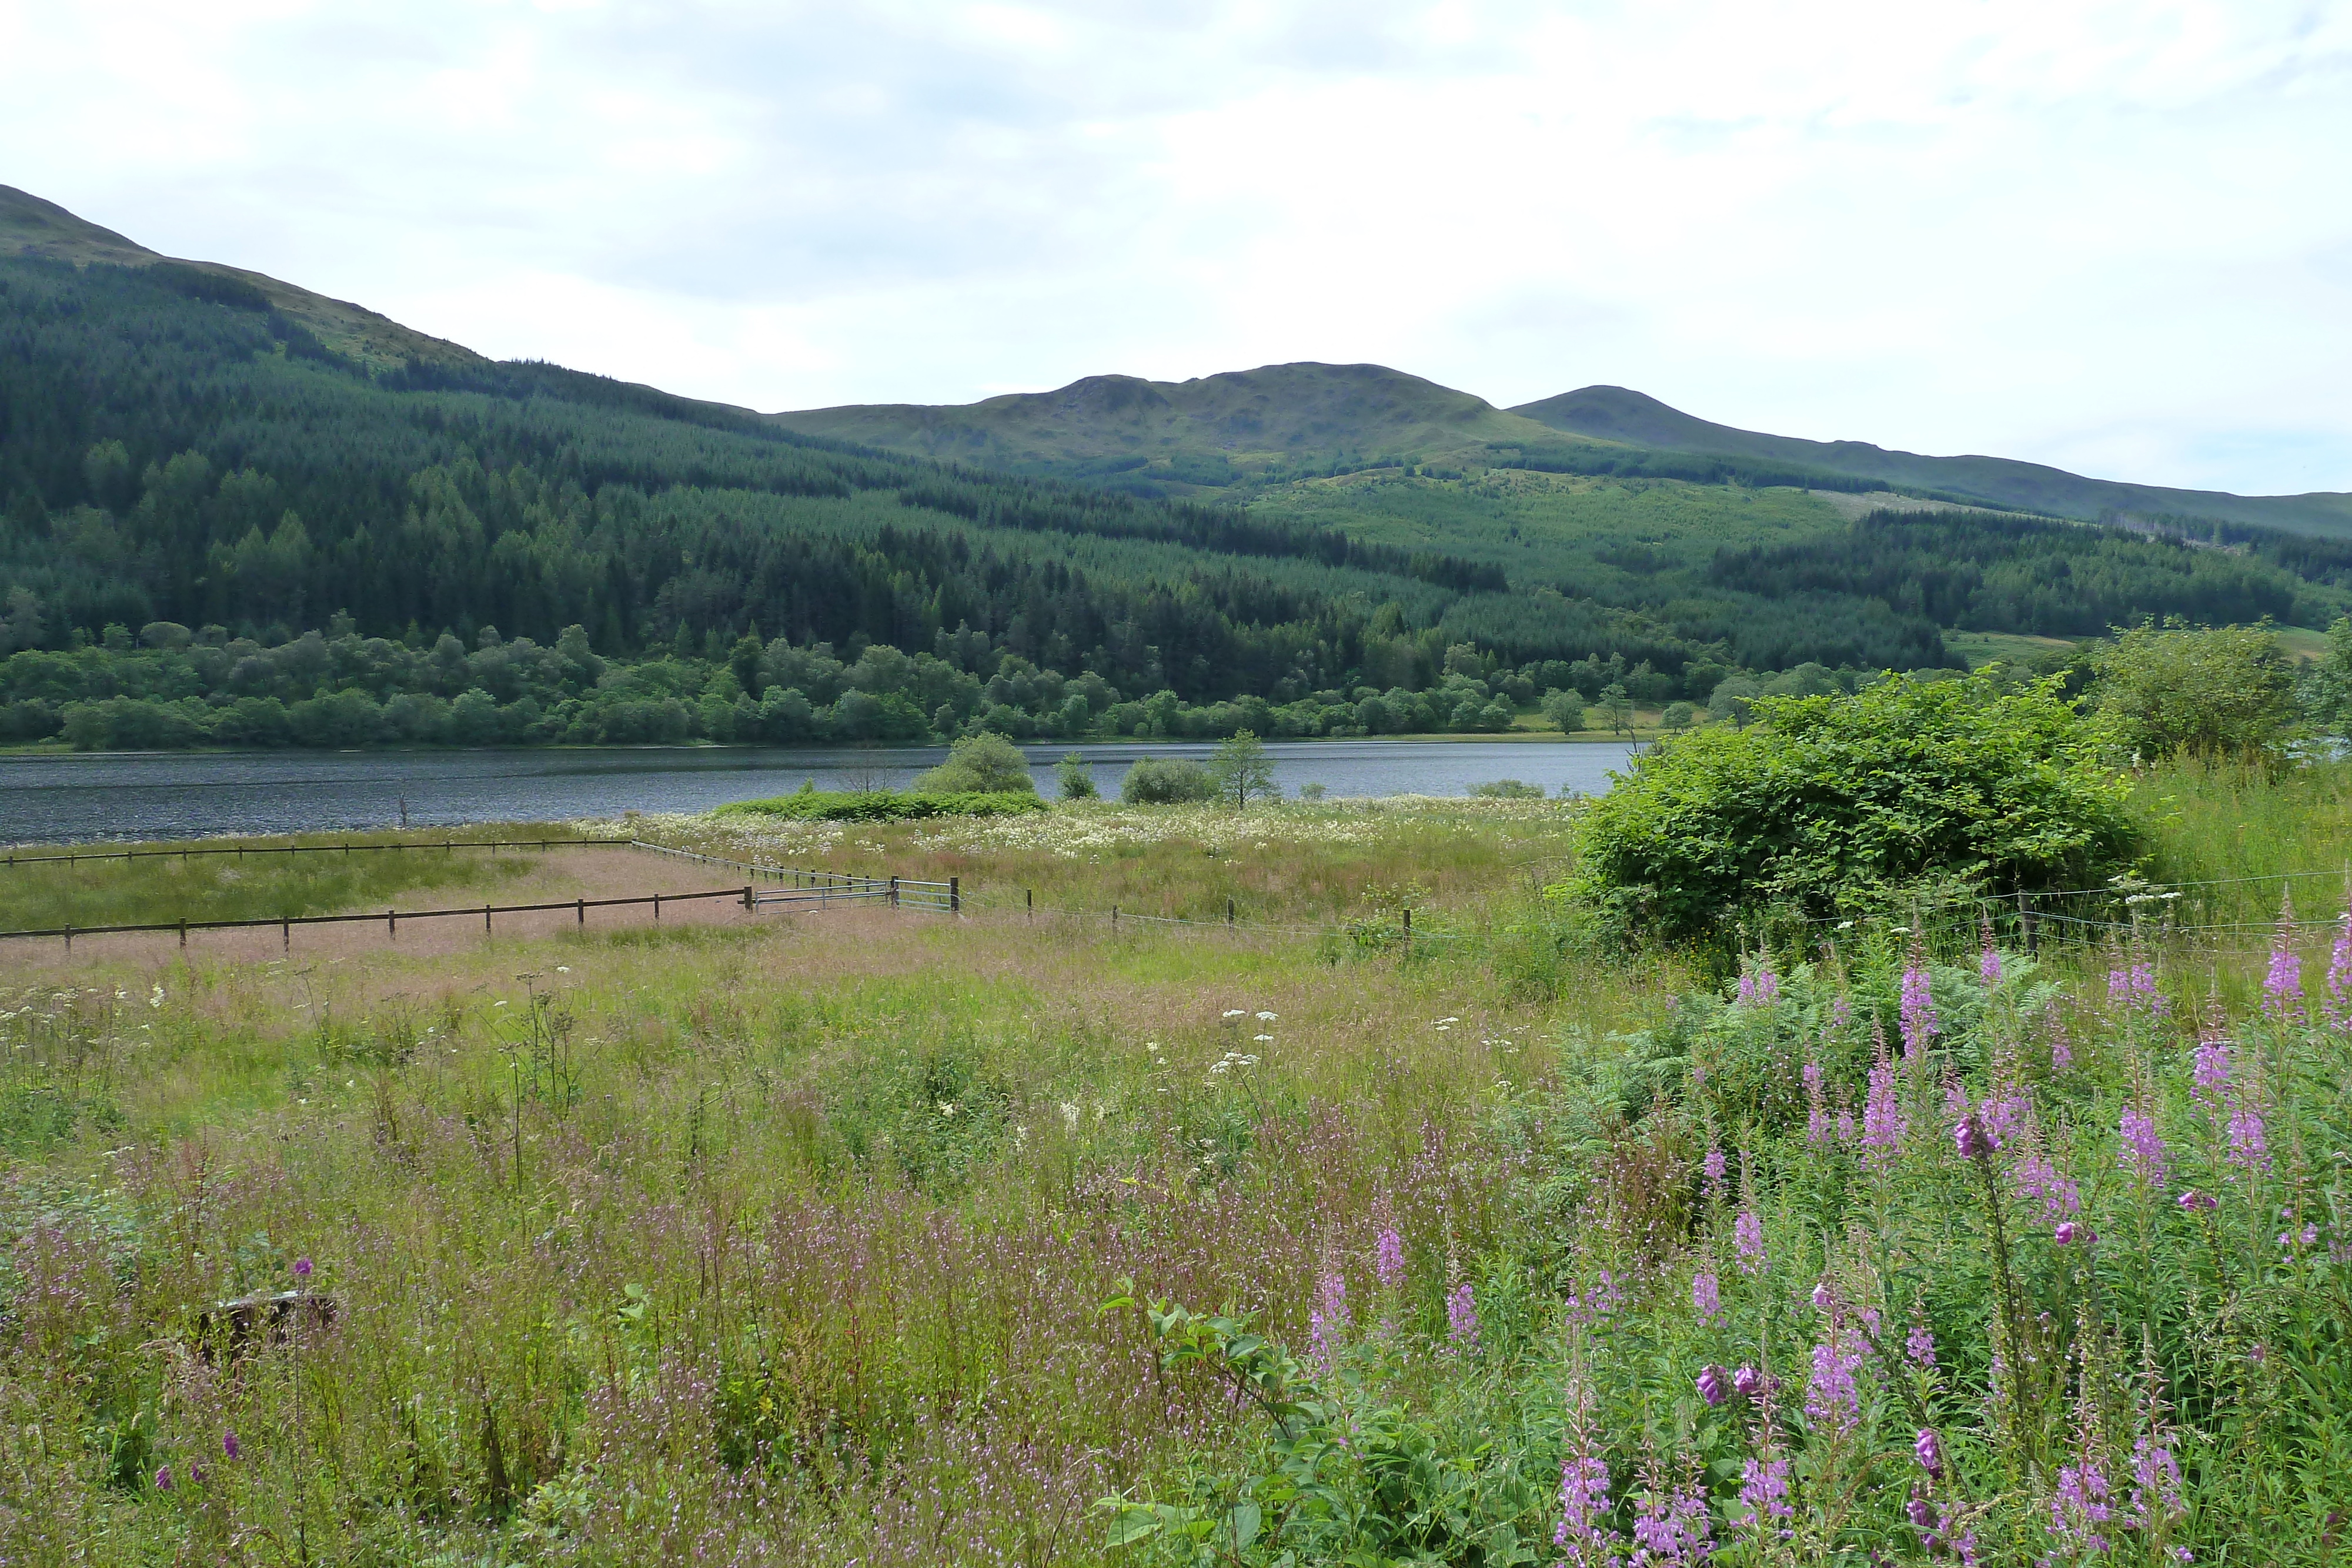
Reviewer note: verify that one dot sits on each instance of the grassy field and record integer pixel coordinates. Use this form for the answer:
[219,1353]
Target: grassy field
[789,1239]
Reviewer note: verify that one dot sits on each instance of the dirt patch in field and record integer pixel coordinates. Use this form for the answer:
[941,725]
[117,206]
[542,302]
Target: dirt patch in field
[573,873]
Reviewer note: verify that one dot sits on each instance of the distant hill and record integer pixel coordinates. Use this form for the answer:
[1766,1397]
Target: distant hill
[35,228]
[1209,431]
[1279,423]
[1623,415]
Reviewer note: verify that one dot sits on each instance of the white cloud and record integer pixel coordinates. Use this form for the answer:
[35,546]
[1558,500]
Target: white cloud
[2109,235]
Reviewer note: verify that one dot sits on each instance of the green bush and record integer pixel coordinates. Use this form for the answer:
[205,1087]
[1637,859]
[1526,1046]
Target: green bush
[1832,803]
[885,805]
[1167,781]
[979,765]
[2207,691]
[1075,782]
[1508,789]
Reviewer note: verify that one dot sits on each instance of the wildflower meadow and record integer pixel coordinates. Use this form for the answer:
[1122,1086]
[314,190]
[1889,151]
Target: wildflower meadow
[1929,1233]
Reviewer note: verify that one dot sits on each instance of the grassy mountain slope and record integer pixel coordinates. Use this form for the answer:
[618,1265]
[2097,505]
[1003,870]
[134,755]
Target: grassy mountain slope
[1623,415]
[34,228]
[1209,431]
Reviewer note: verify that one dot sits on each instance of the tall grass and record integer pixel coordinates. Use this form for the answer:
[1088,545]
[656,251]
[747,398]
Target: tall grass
[794,1244]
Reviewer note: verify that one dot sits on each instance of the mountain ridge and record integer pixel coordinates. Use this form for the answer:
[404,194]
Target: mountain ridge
[37,228]
[1625,414]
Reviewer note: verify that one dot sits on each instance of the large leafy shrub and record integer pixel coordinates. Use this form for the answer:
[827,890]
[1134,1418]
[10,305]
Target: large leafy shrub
[2207,691]
[1835,803]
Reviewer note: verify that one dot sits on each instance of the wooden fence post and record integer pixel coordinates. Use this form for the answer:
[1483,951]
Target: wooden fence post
[183,930]
[1408,933]
[1029,902]
[955,895]
[285,936]
[894,892]
[486,920]
[1229,912]
[583,911]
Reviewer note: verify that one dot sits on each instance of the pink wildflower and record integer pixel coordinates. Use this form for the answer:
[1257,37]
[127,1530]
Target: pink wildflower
[1461,1319]
[1387,1259]
[1883,1120]
[2143,1151]
[1918,1007]
[1748,1241]
[1764,1491]
[1705,1297]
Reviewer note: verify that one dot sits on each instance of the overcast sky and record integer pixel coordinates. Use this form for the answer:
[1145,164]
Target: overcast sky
[2113,238]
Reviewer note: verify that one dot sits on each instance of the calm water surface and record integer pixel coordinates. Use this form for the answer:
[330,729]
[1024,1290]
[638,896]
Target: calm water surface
[169,795]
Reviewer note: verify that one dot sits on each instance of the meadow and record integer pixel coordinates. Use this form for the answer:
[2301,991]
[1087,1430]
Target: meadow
[1026,1238]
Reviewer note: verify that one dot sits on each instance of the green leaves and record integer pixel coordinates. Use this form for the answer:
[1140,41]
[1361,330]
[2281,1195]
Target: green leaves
[1832,803]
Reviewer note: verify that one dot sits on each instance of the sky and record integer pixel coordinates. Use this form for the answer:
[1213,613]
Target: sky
[2113,237]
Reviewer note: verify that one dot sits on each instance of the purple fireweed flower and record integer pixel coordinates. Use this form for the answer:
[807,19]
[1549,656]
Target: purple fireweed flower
[2143,1151]
[2249,1146]
[1840,1010]
[1832,1396]
[2156,1489]
[1327,1322]
[1712,1384]
[1764,1491]
[1673,1527]
[2282,981]
[301,1268]
[1929,1450]
[1705,1297]
[1918,1009]
[1919,1512]
[1988,956]
[1760,986]
[1583,1504]
[163,1478]
[2061,1050]
[2193,1199]
[229,1446]
[2338,1003]
[2065,1234]
[1844,1126]
[1748,1241]
[1387,1259]
[1599,1303]
[2038,1178]
[1920,1345]
[1461,1318]
[1817,1115]
[1748,1383]
[2079,1507]
[2002,1117]
[2135,989]
[1883,1120]
[2210,1070]
[1970,1138]
[1715,1165]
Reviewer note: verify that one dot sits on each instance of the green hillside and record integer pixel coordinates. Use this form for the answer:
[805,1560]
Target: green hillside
[236,511]
[1238,427]
[1621,415]
[36,229]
